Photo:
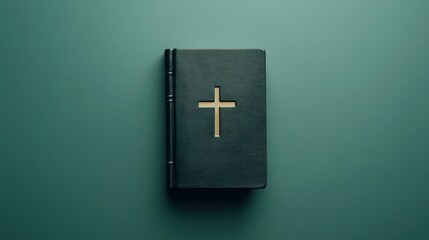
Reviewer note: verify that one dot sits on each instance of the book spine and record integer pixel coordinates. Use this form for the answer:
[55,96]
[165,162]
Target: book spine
[170,114]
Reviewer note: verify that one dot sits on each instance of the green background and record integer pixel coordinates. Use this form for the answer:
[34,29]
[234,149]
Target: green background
[82,119]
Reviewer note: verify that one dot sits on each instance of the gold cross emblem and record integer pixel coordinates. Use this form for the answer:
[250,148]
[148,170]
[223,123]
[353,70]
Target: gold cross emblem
[217,104]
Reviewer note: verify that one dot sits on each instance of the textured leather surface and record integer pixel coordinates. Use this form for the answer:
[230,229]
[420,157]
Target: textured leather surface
[238,158]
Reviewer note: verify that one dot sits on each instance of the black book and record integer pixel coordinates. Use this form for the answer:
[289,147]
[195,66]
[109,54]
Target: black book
[216,118]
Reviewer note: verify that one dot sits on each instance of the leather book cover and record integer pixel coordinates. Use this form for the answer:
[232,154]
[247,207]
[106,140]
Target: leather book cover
[216,118]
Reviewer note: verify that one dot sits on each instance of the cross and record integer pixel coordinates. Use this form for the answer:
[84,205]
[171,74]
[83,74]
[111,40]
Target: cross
[217,104]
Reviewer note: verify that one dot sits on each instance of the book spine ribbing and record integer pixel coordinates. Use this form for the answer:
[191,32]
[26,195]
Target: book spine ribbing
[170,114]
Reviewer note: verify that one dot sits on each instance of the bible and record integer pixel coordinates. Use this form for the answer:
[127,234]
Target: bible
[216,118]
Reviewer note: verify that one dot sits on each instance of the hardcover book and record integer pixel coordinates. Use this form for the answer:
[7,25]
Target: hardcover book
[216,118]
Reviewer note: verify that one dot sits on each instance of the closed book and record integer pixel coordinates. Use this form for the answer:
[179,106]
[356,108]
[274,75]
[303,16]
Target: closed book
[216,118]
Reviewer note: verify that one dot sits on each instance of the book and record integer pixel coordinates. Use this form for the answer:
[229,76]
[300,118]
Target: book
[216,118]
